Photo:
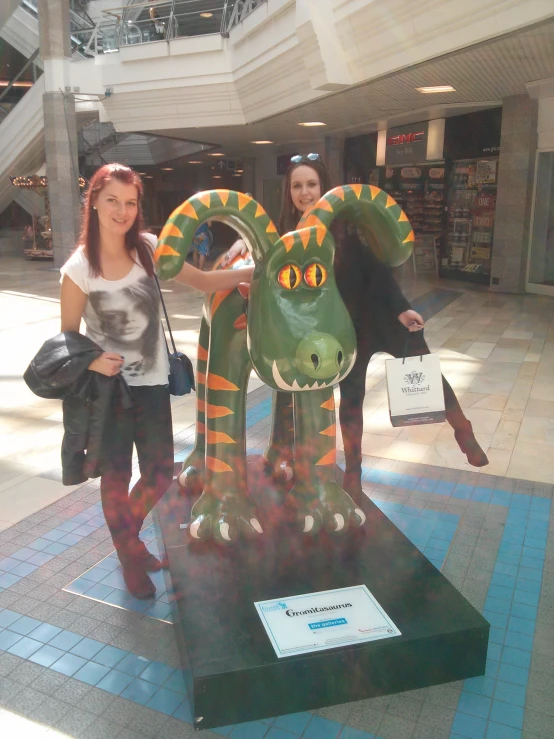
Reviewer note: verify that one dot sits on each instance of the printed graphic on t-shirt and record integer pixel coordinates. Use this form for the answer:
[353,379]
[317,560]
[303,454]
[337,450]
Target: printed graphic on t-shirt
[129,322]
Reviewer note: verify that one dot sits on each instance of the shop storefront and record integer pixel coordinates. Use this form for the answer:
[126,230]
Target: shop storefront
[472,146]
[443,173]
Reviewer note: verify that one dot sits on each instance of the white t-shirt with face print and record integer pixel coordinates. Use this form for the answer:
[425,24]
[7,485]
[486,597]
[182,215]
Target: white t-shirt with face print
[124,316]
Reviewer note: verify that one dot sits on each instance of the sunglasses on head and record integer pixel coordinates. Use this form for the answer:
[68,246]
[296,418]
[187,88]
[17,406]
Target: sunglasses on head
[297,158]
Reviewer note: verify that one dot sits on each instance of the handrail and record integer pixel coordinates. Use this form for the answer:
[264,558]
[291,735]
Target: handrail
[180,18]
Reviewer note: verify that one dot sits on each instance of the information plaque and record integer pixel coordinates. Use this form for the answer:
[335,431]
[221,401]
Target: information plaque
[325,620]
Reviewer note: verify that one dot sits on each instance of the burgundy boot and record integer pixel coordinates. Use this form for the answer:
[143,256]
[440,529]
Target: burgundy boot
[148,560]
[136,579]
[469,445]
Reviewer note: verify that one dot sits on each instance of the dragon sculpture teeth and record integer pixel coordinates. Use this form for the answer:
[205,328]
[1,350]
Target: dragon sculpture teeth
[295,387]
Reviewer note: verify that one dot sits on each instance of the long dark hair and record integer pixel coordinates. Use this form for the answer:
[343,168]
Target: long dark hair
[90,229]
[290,215]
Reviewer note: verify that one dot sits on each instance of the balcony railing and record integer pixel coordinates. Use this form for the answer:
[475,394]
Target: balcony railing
[161,20]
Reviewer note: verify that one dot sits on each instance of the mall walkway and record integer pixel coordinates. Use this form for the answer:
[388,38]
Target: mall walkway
[495,350]
[79,655]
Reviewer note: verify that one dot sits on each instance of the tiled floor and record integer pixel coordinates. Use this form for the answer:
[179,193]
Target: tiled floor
[72,662]
[104,583]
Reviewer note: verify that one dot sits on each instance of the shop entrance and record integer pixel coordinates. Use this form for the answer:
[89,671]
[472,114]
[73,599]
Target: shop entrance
[540,269]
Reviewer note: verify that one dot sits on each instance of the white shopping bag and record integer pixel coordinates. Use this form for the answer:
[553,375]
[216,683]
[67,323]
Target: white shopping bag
[416,395]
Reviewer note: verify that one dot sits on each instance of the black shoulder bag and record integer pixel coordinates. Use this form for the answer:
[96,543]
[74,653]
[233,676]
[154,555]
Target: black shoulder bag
[181,371]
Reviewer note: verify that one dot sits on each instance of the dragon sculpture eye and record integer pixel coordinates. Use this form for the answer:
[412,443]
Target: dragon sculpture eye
[315,275]
[289,276]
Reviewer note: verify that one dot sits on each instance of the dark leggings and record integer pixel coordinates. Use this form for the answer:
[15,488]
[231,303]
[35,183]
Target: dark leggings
[398,342]
[148,426]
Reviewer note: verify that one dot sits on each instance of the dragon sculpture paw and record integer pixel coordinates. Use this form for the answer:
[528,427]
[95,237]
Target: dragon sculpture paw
[224,519]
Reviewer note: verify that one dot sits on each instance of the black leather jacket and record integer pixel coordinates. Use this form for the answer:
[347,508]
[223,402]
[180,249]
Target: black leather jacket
[59,370]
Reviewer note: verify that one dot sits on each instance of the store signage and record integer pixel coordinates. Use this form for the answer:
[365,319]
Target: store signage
[485,220]
[407,144]
[405,138]
[316,621]
[410,173]
[484,202]
[436,173]
[481,253]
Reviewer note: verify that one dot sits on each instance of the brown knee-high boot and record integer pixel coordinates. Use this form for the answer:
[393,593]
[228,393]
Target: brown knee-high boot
[463,431]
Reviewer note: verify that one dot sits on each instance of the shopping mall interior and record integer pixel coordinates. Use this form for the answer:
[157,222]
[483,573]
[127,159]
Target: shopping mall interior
[439,112]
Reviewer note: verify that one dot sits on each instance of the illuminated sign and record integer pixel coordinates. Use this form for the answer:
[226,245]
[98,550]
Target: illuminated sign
[407,144]
[405,138]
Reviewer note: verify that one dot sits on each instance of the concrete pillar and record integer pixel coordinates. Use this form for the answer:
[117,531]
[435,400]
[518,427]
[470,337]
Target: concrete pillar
[333,156]
[518,144]
[60,127]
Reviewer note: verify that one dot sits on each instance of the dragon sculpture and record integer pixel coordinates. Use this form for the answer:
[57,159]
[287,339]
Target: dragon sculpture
[296,333]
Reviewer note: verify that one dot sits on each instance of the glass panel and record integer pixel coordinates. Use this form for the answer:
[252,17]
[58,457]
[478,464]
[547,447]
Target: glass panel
[541,266]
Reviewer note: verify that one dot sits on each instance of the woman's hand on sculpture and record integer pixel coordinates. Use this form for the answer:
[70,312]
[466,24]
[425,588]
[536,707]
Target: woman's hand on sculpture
[411,320]
[108,364]
[239,247]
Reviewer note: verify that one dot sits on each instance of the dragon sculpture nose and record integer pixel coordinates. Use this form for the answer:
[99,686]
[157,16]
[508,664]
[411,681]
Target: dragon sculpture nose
[319,355]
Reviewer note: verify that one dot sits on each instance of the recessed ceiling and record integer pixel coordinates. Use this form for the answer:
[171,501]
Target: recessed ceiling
[482,76]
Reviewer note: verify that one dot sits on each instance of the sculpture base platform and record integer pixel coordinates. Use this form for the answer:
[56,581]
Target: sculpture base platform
[232,672]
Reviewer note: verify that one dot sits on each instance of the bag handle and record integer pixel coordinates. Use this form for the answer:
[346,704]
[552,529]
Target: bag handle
[405,352]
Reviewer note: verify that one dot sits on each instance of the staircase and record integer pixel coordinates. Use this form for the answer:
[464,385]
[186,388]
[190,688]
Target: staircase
[23,127]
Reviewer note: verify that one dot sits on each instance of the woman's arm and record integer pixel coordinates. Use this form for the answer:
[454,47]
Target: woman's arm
[212,282]
[72,304]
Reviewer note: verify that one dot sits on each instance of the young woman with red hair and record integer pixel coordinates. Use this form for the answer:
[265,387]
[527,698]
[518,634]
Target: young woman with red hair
[109,282]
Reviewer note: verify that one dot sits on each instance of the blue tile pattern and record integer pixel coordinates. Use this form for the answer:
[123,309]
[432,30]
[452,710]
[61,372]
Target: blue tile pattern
[258,412]
[42,550]
[114,670]
[104,582]
[430,531]
[492,707]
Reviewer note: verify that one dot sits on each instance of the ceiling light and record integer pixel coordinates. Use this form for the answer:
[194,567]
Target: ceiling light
[194,161]
[437,88]
[217,177]
[5,83]
[312,123]
[142,174]
[206,15]
[261,142]
[166,169]
[215,154]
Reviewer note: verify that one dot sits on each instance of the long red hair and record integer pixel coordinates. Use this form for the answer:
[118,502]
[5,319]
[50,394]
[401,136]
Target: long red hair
[90,230]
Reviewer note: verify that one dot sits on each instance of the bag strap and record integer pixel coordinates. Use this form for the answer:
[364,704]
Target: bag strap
[166,318]
[164,308]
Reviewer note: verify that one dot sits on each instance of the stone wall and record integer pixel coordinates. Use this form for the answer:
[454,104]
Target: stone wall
[516,169]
